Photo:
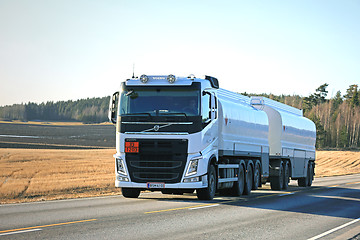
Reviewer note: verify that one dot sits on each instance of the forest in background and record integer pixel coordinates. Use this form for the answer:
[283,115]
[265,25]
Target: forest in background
[90,110]
[337,118]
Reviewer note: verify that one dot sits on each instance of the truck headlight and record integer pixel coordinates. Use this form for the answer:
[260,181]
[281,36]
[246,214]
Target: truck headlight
[193,165]
[120,166]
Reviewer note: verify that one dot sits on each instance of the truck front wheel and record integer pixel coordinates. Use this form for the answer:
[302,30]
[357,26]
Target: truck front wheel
[130,192]
[209,192]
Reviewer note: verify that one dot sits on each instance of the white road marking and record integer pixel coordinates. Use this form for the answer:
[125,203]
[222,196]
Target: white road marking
[334,229]
[24,231]
[204,207]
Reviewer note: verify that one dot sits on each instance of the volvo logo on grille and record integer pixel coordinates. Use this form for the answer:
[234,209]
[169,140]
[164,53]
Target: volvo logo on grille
[156,128]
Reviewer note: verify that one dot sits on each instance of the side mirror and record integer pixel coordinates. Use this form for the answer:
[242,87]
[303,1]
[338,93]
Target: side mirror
[112,115]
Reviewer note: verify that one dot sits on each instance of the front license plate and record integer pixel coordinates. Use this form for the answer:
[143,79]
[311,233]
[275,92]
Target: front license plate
[155,185]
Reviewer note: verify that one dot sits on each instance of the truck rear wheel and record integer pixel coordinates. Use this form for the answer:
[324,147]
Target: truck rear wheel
[277,182]
[130,192]
[209,192]
[238,187]
[249,177]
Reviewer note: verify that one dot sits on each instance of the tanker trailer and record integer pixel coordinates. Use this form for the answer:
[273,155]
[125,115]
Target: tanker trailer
[181,134]
[292,140]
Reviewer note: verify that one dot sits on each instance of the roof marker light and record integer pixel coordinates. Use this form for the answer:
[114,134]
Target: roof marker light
[192,76]
[144,78]
[171,78]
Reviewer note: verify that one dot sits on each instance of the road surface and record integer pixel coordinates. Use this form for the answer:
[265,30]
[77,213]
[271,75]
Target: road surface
[328,210]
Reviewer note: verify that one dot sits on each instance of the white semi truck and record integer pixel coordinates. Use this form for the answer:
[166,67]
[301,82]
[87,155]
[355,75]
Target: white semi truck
[181,134]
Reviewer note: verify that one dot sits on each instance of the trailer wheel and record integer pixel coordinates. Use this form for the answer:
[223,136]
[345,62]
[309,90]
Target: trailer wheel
[238,187]
[248,180]
[277,182]
[304,181]
[209,192]
[286,175]
[310,173]
[257,177]
[130,192]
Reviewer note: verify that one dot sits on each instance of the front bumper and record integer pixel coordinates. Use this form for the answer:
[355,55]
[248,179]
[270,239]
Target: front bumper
[191,185]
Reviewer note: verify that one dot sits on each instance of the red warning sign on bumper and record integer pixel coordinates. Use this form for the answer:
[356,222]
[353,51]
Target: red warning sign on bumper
[131,147]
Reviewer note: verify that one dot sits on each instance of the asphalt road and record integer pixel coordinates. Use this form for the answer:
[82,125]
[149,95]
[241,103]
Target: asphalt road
[328,210]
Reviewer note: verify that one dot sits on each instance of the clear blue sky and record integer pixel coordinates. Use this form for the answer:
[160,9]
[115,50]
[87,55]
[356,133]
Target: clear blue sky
[61,50]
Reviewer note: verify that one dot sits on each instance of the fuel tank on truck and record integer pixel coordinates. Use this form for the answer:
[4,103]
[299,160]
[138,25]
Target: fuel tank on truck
[290,133]
[243,129]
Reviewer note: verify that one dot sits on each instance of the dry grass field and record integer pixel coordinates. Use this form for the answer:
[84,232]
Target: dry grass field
[46,174]
[334,163]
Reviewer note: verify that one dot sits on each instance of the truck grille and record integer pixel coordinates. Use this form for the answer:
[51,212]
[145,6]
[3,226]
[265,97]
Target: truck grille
[160,160]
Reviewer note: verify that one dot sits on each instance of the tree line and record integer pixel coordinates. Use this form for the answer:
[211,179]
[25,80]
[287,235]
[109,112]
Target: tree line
[337,119]
[90,110]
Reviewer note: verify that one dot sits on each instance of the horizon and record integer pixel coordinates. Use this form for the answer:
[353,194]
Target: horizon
[60,51]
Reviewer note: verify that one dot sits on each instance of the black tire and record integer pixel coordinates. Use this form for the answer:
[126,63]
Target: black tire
[302,182]
[311,174]
[277,182]
[130,192]
[257,177]
[238,187]
[249,178]
[286,175]
[209,192]
[307,181]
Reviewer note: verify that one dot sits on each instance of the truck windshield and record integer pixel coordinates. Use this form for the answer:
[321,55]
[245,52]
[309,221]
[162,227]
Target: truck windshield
[158,101]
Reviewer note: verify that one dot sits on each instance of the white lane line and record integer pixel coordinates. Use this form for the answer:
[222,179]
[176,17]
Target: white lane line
[204,207]
[334,229]
[24,231]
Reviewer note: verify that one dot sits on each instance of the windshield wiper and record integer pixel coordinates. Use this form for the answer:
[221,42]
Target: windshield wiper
[171,113]
[135,114]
